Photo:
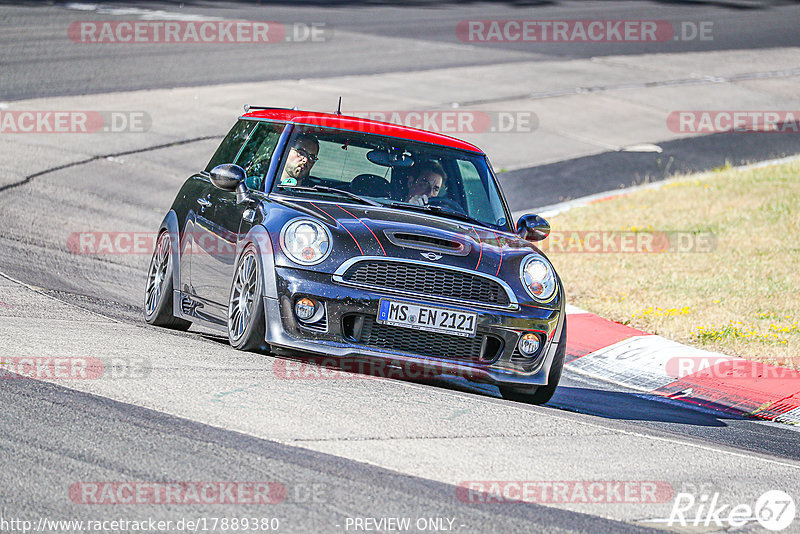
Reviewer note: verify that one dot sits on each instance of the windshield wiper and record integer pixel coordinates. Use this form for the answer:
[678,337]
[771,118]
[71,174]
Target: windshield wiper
[439,211]
[342,192]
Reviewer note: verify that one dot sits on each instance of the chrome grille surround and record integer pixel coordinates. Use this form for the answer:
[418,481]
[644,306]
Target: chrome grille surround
[433,282]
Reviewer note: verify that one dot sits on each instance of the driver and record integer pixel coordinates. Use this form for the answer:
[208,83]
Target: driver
[425,183]
[302,156]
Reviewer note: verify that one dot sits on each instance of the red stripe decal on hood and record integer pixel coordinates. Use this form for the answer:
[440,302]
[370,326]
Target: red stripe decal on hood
[481,243]
[365,226]
[500,246]
[342,225]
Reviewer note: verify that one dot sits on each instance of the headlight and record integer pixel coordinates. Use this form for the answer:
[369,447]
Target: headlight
[305,242]
[539,278]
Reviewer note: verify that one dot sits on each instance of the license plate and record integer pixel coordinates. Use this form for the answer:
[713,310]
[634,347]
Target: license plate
[427,318]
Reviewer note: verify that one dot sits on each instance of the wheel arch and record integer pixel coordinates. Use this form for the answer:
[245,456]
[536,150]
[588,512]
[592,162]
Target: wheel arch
[260,238]
[170,224]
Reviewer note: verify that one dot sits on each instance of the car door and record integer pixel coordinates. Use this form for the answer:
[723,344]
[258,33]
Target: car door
[199,240]
[227,224]
[193,195]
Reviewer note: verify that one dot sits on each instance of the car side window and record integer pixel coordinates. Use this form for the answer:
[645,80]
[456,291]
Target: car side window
[257,153]
[232,144]
[481,200]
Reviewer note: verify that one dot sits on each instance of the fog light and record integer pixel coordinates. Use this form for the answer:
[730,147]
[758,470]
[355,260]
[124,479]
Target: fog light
[304,309]
[529,344]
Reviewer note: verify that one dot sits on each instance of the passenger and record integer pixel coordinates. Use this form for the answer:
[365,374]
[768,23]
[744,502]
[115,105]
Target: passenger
[302,156]
[426,182]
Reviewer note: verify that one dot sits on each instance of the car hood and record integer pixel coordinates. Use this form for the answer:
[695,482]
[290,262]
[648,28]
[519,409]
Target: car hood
[397,233]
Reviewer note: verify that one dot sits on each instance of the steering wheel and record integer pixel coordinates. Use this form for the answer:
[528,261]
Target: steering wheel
[447,203]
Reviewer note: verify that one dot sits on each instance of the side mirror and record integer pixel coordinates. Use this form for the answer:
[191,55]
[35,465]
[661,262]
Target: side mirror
[227,176]
[533,228]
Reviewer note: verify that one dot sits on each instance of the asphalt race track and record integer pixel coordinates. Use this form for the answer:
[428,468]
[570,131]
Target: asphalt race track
[185,407]
[423,27]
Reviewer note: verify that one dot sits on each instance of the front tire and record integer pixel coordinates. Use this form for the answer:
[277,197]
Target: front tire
[158,293]
[246,323]
[542,394]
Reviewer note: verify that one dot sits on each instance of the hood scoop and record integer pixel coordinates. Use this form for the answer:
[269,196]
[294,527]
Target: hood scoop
[440,244]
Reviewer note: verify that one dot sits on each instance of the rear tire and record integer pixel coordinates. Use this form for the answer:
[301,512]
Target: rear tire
[158,293]
[246,323]
[542,394]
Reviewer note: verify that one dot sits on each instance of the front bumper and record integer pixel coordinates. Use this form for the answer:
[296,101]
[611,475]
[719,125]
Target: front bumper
[500,364]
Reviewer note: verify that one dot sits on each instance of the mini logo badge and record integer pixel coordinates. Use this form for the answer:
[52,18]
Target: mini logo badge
[431,256]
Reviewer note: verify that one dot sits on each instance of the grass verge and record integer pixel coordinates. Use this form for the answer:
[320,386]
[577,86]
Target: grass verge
[710,260]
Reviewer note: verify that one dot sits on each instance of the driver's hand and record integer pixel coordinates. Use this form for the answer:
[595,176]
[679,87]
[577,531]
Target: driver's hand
[419,200]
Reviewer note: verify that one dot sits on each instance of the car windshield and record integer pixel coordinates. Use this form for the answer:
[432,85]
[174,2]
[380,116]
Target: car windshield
[366,168]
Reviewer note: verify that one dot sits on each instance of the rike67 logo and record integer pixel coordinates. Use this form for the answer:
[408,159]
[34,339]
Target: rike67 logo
[774,510]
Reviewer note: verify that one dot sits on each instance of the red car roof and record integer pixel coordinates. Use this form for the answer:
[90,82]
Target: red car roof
[330,120]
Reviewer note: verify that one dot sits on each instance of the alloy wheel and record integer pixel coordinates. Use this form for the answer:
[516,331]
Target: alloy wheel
[157,274]
[243,295]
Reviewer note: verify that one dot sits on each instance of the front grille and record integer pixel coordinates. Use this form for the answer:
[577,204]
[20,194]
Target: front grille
[319,326]
[424,280]
[365,330]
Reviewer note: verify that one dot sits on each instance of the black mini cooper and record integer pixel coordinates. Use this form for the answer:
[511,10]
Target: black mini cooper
[322,234]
